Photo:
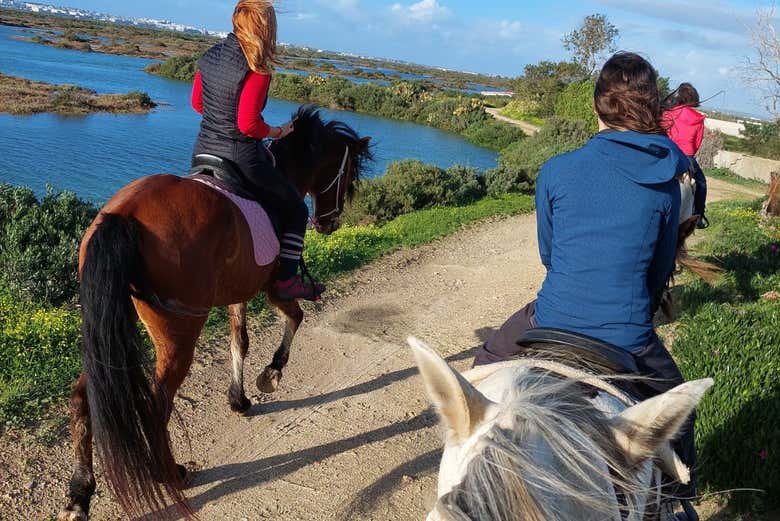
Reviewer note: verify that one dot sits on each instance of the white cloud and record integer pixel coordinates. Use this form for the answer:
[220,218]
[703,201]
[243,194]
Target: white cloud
[305,16]
[424,11]
[710,15]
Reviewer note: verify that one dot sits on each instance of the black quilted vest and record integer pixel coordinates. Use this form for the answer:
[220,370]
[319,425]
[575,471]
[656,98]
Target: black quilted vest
[223,70]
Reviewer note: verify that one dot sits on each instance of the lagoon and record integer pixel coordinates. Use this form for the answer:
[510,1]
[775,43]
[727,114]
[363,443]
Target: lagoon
[97,154]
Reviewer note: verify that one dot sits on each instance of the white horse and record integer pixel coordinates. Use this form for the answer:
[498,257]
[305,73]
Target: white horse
[525,441]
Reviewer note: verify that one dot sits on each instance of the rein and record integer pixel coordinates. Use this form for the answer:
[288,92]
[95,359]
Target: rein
[337,183]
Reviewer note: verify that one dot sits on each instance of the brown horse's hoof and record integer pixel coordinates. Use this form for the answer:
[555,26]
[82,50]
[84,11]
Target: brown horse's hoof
[72,513]
[241,406]
[268,381]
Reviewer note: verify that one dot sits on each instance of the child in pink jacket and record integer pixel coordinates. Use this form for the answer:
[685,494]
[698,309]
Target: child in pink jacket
[685,127]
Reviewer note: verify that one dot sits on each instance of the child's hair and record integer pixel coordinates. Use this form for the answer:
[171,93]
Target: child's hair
[626,95]
[685,95]
[254,24]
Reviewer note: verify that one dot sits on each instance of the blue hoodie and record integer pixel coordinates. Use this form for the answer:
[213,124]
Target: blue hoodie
[607,217]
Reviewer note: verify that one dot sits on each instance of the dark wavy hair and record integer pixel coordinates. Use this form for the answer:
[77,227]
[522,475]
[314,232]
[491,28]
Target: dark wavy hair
[685,95]
[626,95]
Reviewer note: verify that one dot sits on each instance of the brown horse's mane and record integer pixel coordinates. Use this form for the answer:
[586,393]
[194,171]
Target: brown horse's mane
[309,143]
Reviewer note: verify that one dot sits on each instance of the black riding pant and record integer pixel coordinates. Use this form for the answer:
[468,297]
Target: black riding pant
[700,195]
[654,362]
[278,196]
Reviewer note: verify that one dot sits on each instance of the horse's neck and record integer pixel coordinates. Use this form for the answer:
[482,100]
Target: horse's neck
[301,180]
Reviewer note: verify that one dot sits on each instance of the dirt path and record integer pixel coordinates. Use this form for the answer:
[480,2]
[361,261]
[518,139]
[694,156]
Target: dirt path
[348,435]
[526,127]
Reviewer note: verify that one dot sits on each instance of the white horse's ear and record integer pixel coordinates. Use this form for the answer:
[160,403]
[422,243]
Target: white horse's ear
[461,406]
[642,431]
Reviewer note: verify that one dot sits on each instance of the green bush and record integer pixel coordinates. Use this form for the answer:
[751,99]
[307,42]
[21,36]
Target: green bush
[541,84]
[142,99]
[523,110]
[727,331]
[519,163]
[758,139]
[412,185]
[180,68]
[418,101]
[39,348]
[576,103]
[39,243]
[493,134]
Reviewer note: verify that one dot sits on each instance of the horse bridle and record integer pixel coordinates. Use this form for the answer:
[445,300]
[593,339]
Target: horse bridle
[337,209]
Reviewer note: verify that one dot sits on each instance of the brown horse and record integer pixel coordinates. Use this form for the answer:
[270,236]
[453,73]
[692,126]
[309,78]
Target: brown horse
[166,250]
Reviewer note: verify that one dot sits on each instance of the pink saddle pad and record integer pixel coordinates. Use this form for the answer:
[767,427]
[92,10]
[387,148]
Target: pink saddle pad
[266,244]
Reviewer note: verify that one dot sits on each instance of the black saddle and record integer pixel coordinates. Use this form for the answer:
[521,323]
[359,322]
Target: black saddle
[228,172]
[573,348]
[229,176]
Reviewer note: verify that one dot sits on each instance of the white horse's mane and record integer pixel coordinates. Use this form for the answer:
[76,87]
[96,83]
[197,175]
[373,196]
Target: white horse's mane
[583,464]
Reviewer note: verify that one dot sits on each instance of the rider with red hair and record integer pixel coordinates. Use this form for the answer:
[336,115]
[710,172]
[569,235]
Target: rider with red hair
[230,91]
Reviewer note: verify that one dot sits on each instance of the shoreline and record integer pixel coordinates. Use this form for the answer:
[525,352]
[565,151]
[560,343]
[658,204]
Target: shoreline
[23,97]
[161,44]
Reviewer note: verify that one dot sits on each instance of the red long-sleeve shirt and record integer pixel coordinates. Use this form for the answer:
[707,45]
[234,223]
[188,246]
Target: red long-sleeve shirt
[685,127]
[250,104]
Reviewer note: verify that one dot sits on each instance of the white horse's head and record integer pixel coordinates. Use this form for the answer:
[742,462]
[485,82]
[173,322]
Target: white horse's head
[527,443]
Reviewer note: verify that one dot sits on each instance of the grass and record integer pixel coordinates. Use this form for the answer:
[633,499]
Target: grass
[520,116]
[727,175]
[39,345]
[354,246]
[19,96]
[729,331]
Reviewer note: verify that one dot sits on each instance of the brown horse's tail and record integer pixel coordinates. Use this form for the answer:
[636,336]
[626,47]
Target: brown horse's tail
[128,415]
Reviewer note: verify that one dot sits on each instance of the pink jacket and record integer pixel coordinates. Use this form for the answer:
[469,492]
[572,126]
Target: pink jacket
[685,127]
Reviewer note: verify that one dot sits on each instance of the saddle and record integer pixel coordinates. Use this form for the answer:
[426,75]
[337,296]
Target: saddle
[229,177]
[570,348]
[226,178]
[228,173]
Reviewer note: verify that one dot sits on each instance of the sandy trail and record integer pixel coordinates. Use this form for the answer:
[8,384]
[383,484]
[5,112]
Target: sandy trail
[349,434]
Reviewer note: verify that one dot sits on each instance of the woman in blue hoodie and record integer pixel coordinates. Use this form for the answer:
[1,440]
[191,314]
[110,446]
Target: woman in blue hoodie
[607,217]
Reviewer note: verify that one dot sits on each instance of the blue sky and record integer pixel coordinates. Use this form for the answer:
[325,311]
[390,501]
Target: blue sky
[703,42]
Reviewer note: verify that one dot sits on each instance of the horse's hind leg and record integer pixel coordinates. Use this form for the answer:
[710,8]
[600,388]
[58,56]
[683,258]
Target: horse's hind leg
[82,483]
[268,381]
[239,345]
[174,338]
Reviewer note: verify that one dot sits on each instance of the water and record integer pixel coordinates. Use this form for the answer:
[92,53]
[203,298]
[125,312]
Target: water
[95,155]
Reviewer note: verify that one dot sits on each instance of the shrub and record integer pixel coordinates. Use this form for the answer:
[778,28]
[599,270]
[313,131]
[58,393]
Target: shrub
[411,185]
[39,243]
[521,109]
[541,84]
[519,163]
[492,134]
[141,99]
[68,96]
[39,348]
[180,68]
[576,103]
